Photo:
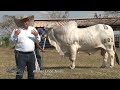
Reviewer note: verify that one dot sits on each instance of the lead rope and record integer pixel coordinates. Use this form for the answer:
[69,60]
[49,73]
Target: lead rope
[37,68]
[43,52]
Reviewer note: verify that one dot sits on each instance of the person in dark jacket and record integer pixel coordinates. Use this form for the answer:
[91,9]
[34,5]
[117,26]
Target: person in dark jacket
[38,47]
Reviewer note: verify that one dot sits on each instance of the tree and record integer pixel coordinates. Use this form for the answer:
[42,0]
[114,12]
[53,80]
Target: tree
[6,28]
[7,25]
[95,15]
[111,13]
[57,14]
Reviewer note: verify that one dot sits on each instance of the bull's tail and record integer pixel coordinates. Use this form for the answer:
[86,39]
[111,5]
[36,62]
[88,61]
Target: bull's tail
[116,56]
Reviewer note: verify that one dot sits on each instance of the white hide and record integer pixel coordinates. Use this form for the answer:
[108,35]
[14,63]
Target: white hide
[84,39]
[68,40]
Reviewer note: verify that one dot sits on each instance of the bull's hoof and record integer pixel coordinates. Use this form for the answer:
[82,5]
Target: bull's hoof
[72,67]
[103,66]
[106,67]
[110,66]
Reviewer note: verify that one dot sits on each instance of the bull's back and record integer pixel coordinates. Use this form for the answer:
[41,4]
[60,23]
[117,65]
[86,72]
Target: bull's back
[97,31]
[106,32]
[95,36]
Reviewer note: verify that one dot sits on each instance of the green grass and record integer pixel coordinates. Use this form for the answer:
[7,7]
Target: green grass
[57,67]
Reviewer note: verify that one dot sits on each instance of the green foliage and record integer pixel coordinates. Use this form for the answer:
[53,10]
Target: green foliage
[5,40]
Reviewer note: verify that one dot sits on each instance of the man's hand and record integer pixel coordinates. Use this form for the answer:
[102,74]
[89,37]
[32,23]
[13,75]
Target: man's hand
[42,50]
[34,33]
[38,46]
[17,32]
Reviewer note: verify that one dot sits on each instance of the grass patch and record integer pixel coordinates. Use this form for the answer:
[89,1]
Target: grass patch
[57,67]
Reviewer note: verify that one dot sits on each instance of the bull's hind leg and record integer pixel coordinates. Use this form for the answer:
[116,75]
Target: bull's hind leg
[72,57]
[111,54]
[105,58]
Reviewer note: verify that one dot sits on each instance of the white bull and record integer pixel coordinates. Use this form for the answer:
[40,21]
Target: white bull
[68,39]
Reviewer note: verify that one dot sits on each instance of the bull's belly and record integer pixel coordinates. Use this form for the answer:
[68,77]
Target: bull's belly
[88,46]
[88,49]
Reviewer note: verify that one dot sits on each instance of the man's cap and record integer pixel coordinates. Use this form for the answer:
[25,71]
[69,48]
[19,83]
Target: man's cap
[41,30]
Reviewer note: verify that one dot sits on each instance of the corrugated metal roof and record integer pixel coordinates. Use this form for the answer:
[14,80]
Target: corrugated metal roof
[59,19]
[44,23]
[81,22]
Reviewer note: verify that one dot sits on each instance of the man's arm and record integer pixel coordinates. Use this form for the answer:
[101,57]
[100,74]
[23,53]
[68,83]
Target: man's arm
[14,36]
[37,36]
[38,46]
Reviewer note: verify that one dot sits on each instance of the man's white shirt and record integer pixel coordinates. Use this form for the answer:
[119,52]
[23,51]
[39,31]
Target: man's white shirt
[25,41]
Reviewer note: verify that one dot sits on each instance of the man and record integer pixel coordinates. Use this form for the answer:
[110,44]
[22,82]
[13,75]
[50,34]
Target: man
[24,38]
[38,47]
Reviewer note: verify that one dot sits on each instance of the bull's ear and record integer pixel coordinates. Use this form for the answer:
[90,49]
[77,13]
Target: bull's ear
[45,28]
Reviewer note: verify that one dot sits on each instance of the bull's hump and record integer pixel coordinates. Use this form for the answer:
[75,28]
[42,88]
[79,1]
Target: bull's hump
[105,26]
[102,26]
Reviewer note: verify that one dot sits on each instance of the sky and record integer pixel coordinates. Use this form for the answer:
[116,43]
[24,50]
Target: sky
[41,14]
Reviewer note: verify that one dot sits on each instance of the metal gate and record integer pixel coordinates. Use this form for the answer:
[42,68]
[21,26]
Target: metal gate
[117,40]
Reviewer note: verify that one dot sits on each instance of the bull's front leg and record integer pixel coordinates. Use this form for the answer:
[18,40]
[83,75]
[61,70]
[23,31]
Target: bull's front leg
[72,57]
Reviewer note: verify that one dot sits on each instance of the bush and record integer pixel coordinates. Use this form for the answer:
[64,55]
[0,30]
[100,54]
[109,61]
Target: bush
[5,41]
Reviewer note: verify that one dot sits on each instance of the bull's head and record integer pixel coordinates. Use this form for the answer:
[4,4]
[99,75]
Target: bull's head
[48,28]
